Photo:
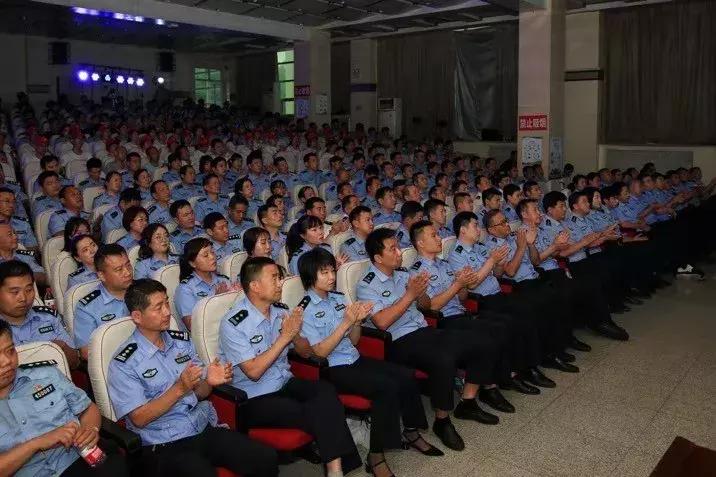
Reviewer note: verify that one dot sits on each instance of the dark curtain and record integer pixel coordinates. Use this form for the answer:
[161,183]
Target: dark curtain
[341,78]
[419,69]
[661,73]
[255,75]
[486,83]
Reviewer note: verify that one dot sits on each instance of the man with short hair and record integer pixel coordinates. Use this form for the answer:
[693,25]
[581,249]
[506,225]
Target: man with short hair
[183,215]
[187,188]
[160,386]
[49,421]
[512,195]
[72,206]
[271,219]
[317,207]
[213,200]
[238,221]
[217,228]
[410,213]
[395,295]
[371,188]
[94,174]
[255,334]
[386,213]
[50,184]
[463,202]
[159,209]
[436,213]
[30,323]
[106,302]
[21,225]
[361,220]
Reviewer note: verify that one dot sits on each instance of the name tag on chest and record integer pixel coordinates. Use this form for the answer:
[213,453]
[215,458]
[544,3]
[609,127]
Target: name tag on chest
[42,392]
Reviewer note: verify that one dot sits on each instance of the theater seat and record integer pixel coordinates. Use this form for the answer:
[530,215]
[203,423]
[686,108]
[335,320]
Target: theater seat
[169,277]
[41,223]
[409,256]
[337,240]
[72,297]
[388,225]
[133,255]
[283,258]
[348,276]
[52,251]
[448,245]
[99,212]
[231,265]
[205,319]
[59,276]
[114,235]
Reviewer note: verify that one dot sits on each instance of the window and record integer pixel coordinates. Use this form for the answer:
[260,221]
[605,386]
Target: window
[284,62]
[207,86]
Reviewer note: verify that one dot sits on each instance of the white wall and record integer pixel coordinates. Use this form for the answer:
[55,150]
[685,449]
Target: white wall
[25,62]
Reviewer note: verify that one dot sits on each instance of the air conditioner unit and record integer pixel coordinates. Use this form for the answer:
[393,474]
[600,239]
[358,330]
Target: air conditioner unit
[390,115]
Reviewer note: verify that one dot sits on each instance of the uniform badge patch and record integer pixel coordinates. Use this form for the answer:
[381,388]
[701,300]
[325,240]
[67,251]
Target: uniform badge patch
[256,339]
[150,373]
[182,359]
[320,314]
[108,317]
[340,307]
[46,329]
[386,293]
[43,392]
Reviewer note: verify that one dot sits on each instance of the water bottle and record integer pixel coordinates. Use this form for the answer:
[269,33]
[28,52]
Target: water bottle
[94,456]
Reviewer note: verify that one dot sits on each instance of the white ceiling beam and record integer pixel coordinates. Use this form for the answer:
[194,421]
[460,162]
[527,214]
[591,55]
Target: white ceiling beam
[380,17]
[172,12]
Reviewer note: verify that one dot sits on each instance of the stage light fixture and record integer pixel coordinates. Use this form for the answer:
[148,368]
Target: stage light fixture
[140,82]
[159,21]
[108,77]
[160,80]
[95,76]
[130,81]
[82,75]
[120,79]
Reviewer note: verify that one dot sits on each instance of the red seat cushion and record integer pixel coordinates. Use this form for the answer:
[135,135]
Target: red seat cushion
[420,374]
[304,370]
[471,304]
[506,287]
[222,472]
[432,322]
[225,409]
[371,347]
[354,401]
[281,439]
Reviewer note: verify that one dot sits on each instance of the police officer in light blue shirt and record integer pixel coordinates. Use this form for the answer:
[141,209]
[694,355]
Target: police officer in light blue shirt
[362,223]
[293,260]
[59,219]
[159,214]
[183,215]
[442,277]
[311,175]
[192,289]
[43,203]
[156,362]
[25,256]
[24,232]
[42,323]
[106,302]
[145,268]
[37,400]
[81,275]
[112,219]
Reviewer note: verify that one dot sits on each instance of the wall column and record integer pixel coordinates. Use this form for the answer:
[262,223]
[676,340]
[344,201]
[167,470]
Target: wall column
[364,77]
[312,68]
[541,83]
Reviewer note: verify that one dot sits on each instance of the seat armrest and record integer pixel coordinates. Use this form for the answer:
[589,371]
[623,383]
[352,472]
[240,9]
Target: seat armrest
[382,335]
[226,391]
[435,314]
[311,360]
[473,296]
[124,438]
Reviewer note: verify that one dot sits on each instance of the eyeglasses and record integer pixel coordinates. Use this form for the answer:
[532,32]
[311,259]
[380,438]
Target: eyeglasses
[499,224]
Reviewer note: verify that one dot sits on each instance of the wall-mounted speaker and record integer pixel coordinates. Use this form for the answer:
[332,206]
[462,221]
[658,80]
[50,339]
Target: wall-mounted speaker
[58,53]
[166,62]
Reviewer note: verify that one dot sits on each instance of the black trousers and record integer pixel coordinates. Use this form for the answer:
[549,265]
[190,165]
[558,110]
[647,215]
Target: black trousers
[583,293]
[199,455]
[553,315]
[312,406]
[517,338]
[441,352]
[393,392]
[114,466]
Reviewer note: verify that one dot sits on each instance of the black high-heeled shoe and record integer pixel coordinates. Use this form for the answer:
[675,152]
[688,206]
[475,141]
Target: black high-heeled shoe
[370,469]
[431,451]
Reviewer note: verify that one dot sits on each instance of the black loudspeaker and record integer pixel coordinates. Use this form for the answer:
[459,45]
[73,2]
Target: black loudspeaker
[59,53]
[166,62]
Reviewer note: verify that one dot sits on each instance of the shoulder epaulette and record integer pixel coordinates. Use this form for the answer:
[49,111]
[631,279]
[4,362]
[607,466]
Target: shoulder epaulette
[223,196]
[128,351]
[77,272]
[85,300]
[328,222]
[335,292]
[548,222]
[304,302]
[400,234]
[369,278]
[152,209]
[60,211]
[238,317]
[574,218]
[84,182]
[246,219]
[44,309]
[494,239]
[42,197]
[459,249]
[416,265]
[17,217]
[176,233]
[174,254]
[278,304]
[114,214]
[234,237]
[25,252]
[38,364]
[178,335]
[185,280]
[378,214]
[201,199]
[325,244]
[222,275]
[401,269]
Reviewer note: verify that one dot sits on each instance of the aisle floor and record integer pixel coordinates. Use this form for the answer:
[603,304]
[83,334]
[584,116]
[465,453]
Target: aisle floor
[616,417]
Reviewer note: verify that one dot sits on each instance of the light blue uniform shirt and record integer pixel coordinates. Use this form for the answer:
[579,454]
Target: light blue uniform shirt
[526,271]
[159,214]
[23,230]
[445,232]
[237,230]
[127,241]
[105,199]
[95,309]
[180,237]
[403,237]
[59,219]
[141,372]
[89,182]
[354,247]
[370,202]
[321,317]
[289,179]
[44,203]
[186,191]
[41,399]
[441,276]
[205,206]
[192,289]
[474,257]
[28,257]
[546,233]
[510,214]
[384,291]
[81,275]
[171,176]
[260,182]
[625,213]
[384,217]
[601,219]
[41,324]
[315,178]
[293,260]
[578,227]
[145,268]
[331,192]
[230,247]
[245,333]
[276,244]
[111,220]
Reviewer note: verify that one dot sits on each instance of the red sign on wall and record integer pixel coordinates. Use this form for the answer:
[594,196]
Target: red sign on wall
[533,122]
[303,90]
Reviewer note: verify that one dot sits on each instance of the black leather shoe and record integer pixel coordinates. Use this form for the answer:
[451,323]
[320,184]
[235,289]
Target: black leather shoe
[579,345]
[632,300]
[536,377]
[494,398]
[611,330]
[444,429]
[469,410]
[566,357]
[553,362]
[409,442]
[517,384]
